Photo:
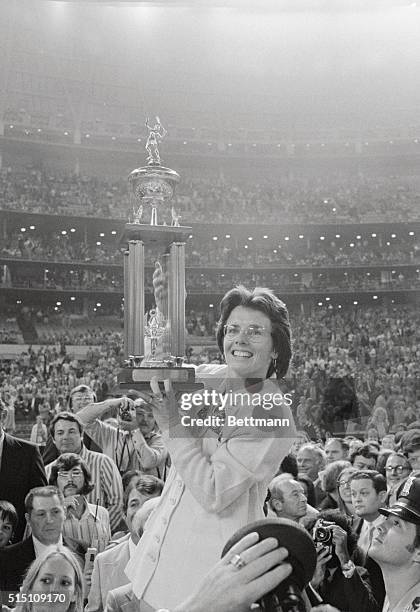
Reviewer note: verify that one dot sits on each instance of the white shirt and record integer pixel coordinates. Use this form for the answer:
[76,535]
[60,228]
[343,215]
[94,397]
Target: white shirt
[131,547]
[406,603]
[216,485]
[365,539]
[1,443]
[42,549]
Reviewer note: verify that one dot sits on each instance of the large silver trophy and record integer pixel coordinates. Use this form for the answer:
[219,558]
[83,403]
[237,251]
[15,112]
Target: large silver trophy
[154,341]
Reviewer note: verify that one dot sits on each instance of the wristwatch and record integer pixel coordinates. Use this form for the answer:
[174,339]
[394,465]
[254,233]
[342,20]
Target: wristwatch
[348,569]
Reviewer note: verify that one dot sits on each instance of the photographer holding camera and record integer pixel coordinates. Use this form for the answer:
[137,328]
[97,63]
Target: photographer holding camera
[338,579]
[136,443]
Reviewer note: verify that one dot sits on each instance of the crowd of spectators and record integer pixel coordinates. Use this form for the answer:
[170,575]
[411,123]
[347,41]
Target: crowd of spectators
[376,350]
[355,388]
[300,253]
[212,281]
[354,381]
[10,333]
[57,248]
[63,278]
[206,252]
[298,200]
[349,494]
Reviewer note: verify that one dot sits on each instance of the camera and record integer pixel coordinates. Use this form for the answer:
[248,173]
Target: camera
[124,411]
[323,534]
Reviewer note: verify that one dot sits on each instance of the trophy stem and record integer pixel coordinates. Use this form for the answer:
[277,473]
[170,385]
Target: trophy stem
[134,298]
[153,220]
[176,305]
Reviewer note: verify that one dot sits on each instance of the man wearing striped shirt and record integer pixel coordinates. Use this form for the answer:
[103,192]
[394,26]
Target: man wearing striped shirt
[85,522]
[67,433]
[135,444]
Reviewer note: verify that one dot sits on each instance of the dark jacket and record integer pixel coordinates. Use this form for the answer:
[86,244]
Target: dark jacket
[21,470]
[353,594]
[15,560]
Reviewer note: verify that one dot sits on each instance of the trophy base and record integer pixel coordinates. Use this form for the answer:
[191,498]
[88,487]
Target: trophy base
[182,379]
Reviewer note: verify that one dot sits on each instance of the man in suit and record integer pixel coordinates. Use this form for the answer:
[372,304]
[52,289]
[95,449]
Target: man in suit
[21,469]
[311,460]
[368,494]
[108,569]
[45,516]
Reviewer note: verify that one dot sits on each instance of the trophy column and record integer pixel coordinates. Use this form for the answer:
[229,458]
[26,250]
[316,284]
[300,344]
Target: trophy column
[134,299]
[176,304]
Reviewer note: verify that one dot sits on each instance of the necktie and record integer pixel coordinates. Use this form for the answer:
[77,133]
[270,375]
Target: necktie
[371,534]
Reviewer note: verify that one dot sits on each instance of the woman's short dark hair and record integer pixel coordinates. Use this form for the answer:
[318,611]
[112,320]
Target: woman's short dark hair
[289,465]
[382,459]
[8,513]
[331,473]
[66,462]
[265,301]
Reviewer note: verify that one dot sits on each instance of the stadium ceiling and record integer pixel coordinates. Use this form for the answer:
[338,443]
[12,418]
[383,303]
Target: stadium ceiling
[287,65]
[261,5]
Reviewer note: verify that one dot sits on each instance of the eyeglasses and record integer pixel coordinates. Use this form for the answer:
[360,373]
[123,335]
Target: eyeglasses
[71,474]
[85,398]
[253,333]
[396,468]
[343,483]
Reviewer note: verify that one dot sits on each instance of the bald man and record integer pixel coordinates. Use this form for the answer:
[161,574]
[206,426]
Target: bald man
[287,497]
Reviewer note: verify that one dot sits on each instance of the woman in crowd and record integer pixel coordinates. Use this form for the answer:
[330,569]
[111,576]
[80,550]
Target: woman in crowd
[54,582]
[379,421]
[382,459]
[219,476]
[329,483]
[8,522]
[344,494]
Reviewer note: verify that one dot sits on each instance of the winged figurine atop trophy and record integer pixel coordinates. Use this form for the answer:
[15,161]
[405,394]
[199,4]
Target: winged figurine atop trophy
[156,134]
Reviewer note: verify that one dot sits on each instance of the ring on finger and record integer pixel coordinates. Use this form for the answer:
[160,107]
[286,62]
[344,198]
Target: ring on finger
[237,562]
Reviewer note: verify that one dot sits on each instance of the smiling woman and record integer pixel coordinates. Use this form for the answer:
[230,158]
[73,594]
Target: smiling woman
[219,475]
